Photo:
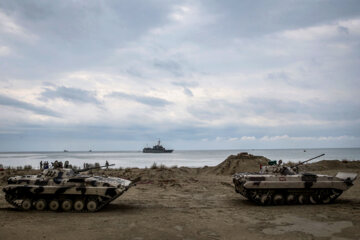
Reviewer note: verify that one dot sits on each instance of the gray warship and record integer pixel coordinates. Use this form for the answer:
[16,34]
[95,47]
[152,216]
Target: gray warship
[158,148]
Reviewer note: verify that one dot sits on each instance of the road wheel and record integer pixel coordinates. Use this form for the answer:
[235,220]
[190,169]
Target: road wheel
[79,205]
[54,205]
[66,205]
[265,199]
[278,199]
[92,205]
[40,204]
[291,199]
[303,199]
[26,204]
[315,198]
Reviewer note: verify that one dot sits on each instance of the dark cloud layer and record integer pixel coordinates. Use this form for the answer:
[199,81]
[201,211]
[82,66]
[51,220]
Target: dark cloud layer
[70,94]
[75,34]
[84,22]
[276,108]
[317,109]
[11,102]
[170,66]
[253,18]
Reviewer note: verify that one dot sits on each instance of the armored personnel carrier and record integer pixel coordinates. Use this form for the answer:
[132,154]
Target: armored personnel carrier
[64,189]
[278,184]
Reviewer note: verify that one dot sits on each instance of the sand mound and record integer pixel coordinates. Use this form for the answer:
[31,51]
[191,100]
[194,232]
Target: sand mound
[161,176]
[330,165]
[242,162]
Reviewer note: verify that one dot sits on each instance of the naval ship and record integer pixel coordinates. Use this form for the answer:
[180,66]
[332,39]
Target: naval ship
[158,148]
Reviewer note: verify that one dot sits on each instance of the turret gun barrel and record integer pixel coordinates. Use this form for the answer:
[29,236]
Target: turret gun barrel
[97,167]
[300,163]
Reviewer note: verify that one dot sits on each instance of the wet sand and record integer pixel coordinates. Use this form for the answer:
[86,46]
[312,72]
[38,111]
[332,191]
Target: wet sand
[185,203]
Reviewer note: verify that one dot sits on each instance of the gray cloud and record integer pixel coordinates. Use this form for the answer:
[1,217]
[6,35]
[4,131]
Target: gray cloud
[343,30]
[185,86]
[76,34]
[211,110]
[71,95]
[134,72]
[171,66]
[151,101]
[188,92]
[272,107]
[111,21]
[7,101]
[186,83]
[253,18]
[278,76]
[263,105]
[316,109]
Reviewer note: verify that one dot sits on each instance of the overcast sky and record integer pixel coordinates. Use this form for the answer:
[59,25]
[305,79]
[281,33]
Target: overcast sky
[117,75]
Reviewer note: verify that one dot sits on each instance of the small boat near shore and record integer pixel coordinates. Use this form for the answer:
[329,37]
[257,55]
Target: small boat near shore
[158,148]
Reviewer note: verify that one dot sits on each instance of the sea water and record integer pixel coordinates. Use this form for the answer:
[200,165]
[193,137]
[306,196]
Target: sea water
[192,158]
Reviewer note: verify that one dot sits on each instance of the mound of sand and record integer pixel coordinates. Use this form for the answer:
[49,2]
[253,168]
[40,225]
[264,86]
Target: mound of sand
[330,165]
[242,162]
[161,176]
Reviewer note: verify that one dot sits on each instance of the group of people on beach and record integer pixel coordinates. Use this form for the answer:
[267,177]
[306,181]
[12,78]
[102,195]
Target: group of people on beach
[56,164]
[44,165]
[59,164]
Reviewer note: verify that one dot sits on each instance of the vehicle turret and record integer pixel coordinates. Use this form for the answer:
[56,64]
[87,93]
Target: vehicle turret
[279,168]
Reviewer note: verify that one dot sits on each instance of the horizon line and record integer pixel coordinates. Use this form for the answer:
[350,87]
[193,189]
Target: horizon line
[234,149]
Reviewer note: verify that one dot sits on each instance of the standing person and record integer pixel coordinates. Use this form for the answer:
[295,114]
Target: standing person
[107,165]
[41,165]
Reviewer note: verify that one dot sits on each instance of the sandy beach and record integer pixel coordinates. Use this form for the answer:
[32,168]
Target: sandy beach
[191,203]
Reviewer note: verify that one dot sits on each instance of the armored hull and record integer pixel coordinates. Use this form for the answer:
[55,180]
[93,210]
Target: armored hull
[63,189]
[287,187]
[151,150]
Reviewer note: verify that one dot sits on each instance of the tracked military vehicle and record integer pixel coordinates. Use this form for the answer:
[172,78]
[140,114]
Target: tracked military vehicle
[64,189]
[278,184]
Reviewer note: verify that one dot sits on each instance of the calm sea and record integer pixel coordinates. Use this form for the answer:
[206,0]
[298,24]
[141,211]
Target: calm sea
[180,158]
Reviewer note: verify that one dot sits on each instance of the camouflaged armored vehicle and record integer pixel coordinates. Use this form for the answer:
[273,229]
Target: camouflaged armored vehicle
[64,189]
[278,184]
